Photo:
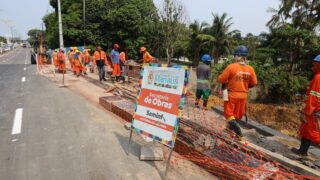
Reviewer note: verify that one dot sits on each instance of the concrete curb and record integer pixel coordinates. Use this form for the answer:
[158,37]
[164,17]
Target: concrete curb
[265,130]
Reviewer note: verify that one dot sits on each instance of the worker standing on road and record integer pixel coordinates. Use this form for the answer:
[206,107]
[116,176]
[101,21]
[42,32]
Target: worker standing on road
[78,66]
[122,63]
[240,77]
[203,85]
[86,56]
[100,60]
[71,60]
[310,128]
[55,58]
[115,58]
[61,61]
[146,57]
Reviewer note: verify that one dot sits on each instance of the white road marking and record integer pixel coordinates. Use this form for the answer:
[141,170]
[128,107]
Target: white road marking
[24,68]
[23,79]
[17,122]
[14,140]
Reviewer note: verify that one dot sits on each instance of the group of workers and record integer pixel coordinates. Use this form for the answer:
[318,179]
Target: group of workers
[238,77]
[113,65]
[236,80]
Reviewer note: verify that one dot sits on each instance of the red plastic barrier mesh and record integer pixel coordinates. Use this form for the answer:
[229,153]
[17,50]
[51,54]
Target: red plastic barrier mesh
[203,139]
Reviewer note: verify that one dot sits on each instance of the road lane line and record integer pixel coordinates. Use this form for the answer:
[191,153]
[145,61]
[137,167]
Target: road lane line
[23,79]
[25,69]
[17,122]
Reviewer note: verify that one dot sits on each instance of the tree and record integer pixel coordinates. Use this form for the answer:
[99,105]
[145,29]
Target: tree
[2,39]
[223,37]
[172,17]
[34,35]
[198,39]
[252,42]
[128,23]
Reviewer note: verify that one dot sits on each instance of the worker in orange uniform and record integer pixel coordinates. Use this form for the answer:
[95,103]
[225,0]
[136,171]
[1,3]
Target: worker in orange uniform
[100,60]
[61,62]
[78,66]
[122,63]
[71,60]
[55,58]
[86,56]
[115,58]
[310,128]
[146,57]
[240,77]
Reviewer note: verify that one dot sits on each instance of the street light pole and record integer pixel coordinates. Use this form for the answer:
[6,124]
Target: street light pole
[60,26]
[84,20]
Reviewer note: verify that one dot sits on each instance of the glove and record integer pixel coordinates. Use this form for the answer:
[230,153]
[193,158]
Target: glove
[302,116]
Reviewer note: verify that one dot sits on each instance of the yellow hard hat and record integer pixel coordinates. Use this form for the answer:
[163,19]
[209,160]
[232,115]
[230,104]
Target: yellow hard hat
[77,51]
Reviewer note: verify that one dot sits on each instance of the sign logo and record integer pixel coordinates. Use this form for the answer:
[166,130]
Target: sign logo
[150,78]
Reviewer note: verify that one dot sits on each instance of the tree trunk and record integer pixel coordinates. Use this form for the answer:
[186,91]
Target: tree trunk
[168,55]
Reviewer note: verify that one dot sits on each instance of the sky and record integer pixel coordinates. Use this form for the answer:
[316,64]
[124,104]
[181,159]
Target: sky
[248,15]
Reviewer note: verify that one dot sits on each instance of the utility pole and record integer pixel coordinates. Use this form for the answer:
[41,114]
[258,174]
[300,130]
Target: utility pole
[84,21]
[60,26]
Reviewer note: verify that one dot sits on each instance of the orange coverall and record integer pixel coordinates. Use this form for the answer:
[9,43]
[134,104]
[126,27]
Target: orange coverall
[310,129]
[55,59]
[77,65]
[86,57]
[61,61]
[147,58]
[239,78]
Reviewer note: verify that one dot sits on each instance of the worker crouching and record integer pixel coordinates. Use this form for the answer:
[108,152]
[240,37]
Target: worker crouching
[240,77]
[310,128]
[203,85]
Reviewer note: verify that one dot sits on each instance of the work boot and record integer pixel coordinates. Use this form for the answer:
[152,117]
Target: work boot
[205,103]
[85,73]
[234,126]
[304,147]
[112,79]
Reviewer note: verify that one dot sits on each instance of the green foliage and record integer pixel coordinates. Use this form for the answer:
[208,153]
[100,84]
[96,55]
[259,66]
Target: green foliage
[128,23]
[34,35]
[277,85]
[2,39]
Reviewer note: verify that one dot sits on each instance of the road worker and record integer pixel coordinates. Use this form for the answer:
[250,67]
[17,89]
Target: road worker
[122,64]
[55,58]
[146,57]
[203,85]
[86,55]
[100,60]
[310,128]
[115,58]
[78,66]
[71,55]
[240,77]
[61,62]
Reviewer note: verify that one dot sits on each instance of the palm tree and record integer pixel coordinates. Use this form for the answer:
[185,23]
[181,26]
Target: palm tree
[199,39]
[223,37]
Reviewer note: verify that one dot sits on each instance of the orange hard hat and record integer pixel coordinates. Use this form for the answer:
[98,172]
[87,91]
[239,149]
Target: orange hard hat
[143,49]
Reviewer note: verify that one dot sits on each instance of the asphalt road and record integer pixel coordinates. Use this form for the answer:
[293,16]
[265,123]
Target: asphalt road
[51,133]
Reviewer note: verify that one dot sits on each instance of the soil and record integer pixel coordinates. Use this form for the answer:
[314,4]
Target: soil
[281,118]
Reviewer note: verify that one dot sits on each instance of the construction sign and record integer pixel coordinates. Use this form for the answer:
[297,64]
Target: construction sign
[160,101]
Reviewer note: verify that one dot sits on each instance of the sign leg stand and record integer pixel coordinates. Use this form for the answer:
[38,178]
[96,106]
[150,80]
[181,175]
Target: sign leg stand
[63,85]
[168,164]
[130,138]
